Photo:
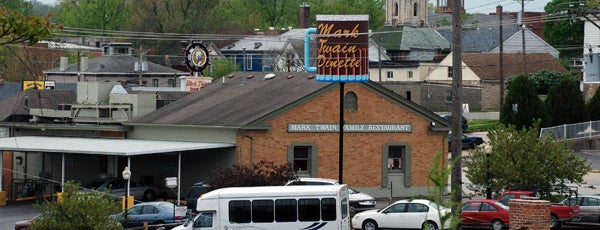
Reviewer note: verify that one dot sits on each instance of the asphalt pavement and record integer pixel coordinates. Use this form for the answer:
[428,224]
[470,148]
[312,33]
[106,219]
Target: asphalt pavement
[16,211]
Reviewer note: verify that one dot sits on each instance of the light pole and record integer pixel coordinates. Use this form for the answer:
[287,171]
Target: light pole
[126,176]
[171,182]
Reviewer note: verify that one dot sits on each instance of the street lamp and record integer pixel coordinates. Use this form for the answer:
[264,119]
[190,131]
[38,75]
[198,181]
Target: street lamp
[126,176]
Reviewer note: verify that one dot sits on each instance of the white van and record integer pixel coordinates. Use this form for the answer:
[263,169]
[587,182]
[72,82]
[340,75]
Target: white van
[273,207]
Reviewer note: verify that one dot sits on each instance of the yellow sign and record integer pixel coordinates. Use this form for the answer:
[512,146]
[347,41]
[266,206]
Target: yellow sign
[33,84]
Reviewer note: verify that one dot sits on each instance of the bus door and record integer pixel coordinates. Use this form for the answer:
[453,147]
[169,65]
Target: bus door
[206,220]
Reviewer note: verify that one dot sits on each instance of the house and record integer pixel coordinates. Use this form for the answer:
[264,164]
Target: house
[483,70]
[117,64]
[389,142]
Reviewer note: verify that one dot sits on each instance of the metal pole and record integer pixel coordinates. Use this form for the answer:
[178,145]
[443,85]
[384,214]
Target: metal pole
[456,174]
[523,34]
[341,154]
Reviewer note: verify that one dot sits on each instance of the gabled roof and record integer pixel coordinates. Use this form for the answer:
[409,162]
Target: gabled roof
[116,65]
[486,65]
[235,104]
[407,38]
[533,44]
[20,103]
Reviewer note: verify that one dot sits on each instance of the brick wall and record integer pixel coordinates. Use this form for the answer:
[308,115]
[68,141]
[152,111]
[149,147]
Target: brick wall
[529,214]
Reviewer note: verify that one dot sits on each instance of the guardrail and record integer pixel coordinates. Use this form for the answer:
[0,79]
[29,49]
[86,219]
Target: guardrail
[575,131]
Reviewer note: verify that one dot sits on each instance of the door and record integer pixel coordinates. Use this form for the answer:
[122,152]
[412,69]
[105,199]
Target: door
[205,220]
[415,216]
[590,209]
[393,216]
[470,213]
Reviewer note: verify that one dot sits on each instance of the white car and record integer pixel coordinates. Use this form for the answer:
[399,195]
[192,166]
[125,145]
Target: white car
[411,214]
[358,200]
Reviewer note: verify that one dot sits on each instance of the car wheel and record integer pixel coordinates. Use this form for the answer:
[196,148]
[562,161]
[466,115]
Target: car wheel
[554,223]
[149,195]
[370,225]
[497,225]
[429,225]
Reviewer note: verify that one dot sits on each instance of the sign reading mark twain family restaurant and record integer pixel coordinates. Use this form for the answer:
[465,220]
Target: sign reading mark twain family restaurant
[343,48]
[356,128]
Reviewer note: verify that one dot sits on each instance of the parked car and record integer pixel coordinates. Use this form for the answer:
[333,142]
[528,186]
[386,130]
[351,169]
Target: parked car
[468,142]
[358,200]
[191,197]
[403,214]
[485,213]
[589,207]
[464,123]
[154,213]
[559,213]
[117,188]
[25,224]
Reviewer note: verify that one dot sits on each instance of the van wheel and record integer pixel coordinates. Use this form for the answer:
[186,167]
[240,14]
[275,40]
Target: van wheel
[149,195]
[370,225]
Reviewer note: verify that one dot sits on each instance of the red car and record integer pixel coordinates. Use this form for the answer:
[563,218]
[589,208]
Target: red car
[485,213]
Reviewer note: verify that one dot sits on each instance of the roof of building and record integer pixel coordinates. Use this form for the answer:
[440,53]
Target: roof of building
[235,104]
[421,42]
[115,65]
[486,66]
[20,103]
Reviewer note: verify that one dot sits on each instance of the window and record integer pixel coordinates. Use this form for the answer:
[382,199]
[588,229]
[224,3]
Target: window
[397,208]
[205,219]
[309,210]
[350,101]
[303,156]
[154,82]
[239,211]
[450,72]
[449,96]
[471,206]
[390,74]
[395,158]
[408,95]
[395,12]
[285,210]
[262,211]
[328,209]
[344,208]
[415,9]
[171,83]
[414,207]
[410,74]
[248,60]
[506,198]
[487,207]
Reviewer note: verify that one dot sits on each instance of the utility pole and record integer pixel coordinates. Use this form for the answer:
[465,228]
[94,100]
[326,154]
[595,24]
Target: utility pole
[523,28]
[456,147]
[501,42]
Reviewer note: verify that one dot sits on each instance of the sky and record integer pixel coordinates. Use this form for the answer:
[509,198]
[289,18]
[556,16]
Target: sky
[472,6]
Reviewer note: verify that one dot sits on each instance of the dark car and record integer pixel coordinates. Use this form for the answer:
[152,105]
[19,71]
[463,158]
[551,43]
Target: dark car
[464,122]
[194,193]
[468,142]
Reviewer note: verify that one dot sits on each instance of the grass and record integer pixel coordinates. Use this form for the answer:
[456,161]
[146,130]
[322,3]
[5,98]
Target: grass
[482,125]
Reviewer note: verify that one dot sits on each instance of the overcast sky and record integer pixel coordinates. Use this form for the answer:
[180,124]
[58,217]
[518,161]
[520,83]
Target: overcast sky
[472,6]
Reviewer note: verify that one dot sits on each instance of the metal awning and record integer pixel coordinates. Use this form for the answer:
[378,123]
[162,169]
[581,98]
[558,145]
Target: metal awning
[103,146]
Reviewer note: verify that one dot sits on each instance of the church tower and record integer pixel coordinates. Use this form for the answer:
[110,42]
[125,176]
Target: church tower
[406,12]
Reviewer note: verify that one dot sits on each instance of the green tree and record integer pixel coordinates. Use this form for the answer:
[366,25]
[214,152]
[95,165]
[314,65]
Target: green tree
[565,103]
[93,14]
[546,79]
[374,8]
[565,35]
[519,159]
[438,175]
[221,67]
[264,173]
[17,27]
[77,211]
[522,105]
[593,107]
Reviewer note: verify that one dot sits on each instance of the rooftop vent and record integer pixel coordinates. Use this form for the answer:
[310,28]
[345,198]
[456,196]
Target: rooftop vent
[269,76]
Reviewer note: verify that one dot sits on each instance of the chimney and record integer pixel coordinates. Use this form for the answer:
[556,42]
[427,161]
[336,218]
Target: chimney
[498,10]
[304,16]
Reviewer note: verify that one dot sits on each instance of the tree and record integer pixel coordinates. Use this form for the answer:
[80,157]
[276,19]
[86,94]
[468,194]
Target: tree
[565,103]
[566,35]
[374,8]
[593,107]
[16,27]
[77,211]
[265,173]
[519,159]
[546,79]
[522,105]
[438,175]
[221,67]
[93,14]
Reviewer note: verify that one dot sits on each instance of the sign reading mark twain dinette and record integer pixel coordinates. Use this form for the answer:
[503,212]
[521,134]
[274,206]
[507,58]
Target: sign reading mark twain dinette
[343,48]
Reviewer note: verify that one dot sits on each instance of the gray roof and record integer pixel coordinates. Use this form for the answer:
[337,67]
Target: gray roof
[481,32]
[114,65]
[236,105]
[20,103]
[9,89]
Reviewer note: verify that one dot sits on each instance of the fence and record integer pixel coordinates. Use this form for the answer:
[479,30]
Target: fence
[573,131]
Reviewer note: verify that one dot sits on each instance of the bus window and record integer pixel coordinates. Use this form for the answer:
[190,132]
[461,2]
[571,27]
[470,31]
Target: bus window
[309,210]
[328,209]
[239,211]
[204,219]
[285,210]
[262,211]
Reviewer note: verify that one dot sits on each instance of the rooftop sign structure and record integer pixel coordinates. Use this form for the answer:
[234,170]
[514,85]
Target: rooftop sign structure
[342,48]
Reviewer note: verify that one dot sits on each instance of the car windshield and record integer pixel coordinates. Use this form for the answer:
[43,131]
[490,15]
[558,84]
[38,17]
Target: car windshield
[352,191]
[501,205]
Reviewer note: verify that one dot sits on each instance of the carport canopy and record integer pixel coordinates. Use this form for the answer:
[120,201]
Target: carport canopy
[102,146]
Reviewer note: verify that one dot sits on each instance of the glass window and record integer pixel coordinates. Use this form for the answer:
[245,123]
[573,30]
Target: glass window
[301,158]
[154,82]
[397,208]
[309,210]
[344,208]
[410,74]
[487,207]
[395,154]
[449,96]
[350,101]
[450,72]
[390,74]
[474,206]
[136,210]
[239,211]
[285,210]
[506,198]
[204,219]
[171,83]
[415,207]
[328,209]
[248,62]
[262,211]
